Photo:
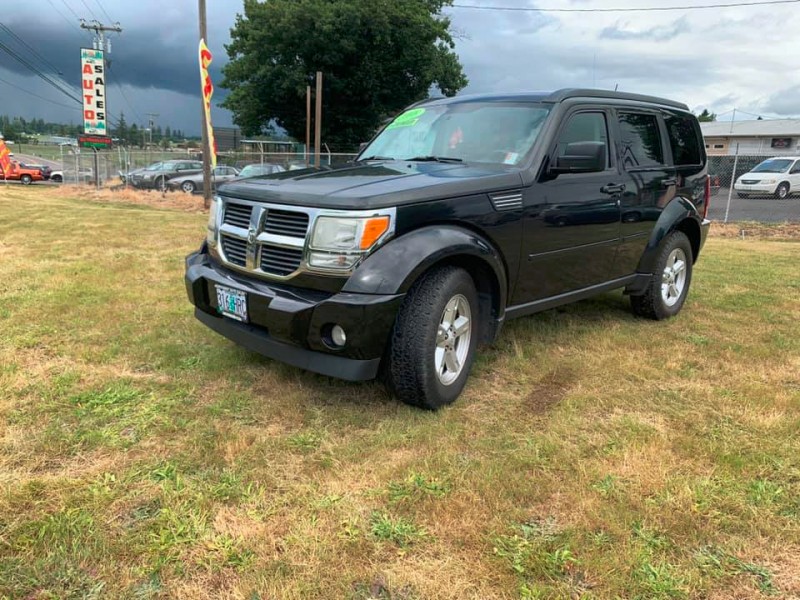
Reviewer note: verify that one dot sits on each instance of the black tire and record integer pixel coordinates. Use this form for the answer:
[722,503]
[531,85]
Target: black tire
[652,303]
[25,179]
[160,184]
[409,369]
[188,187]
[56,178]
[782,192]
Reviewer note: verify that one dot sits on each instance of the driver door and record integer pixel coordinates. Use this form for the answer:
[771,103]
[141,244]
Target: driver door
[572,224]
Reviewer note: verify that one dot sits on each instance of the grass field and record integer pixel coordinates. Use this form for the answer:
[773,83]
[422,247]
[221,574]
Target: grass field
[592,455]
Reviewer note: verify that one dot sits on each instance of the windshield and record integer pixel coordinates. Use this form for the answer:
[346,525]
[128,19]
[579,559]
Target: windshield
[154,167]
[772,165]
[489,132]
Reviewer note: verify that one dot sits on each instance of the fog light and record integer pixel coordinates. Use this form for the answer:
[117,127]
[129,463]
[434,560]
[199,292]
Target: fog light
[338,336]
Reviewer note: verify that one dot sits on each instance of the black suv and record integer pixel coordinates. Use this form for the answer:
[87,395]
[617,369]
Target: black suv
[461,213]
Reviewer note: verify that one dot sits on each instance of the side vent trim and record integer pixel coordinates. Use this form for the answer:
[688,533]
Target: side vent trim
[504,201]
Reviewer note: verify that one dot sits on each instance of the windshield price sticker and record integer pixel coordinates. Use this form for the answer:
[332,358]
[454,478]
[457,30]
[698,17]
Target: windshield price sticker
[407,119]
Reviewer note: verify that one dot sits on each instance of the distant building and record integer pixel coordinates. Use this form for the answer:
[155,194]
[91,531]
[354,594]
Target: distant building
[766,137]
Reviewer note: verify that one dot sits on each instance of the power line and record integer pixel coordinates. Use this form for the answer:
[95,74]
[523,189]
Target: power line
[69,8]
[35,95]
[24,43]
[38,72]
[620,10]
[66,18]
[124,97]
[91,12]
[103,8]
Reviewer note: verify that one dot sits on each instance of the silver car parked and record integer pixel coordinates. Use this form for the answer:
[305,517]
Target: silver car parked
[192,183]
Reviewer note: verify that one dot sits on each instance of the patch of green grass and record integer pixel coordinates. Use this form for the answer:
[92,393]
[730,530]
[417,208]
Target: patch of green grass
[397,530]
[415,487]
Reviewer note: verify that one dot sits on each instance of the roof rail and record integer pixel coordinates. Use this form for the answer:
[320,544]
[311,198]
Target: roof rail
[560,95]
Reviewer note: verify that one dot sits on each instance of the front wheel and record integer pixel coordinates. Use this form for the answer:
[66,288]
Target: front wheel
[783,191]
[161,184]
[188,187]
[26,179]
[669,284]
[434,338]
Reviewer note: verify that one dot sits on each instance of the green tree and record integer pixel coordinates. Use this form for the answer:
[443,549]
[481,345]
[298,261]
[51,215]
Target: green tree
[168,132]
[705,116]
[133,135]
[376,58]
[122,128]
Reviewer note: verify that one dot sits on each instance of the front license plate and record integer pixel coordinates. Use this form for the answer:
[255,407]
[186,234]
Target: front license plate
[232,303]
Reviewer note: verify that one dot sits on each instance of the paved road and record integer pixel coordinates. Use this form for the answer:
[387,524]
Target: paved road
[762,209]
[37,160]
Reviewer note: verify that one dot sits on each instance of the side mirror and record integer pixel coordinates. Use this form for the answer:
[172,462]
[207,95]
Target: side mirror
[581,157]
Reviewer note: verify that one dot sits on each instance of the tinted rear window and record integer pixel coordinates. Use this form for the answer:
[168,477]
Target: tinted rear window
[683,139]
[641,140]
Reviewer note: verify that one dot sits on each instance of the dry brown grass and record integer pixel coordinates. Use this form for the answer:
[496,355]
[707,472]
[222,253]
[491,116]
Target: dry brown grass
[592,455]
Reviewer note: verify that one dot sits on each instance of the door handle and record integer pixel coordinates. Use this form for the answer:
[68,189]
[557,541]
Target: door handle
[669,182]
[613,188]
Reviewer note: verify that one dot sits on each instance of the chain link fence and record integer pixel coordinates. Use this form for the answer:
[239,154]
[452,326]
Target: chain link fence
[759,201]
[105,166]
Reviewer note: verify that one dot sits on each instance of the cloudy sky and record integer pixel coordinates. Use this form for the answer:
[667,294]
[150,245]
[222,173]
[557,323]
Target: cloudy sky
[720,59]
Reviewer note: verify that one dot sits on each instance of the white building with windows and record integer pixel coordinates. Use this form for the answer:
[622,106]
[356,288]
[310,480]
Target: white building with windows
[767,137]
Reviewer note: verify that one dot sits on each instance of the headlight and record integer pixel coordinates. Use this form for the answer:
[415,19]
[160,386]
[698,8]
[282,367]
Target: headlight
[768,181]
[339,242]
[211,230]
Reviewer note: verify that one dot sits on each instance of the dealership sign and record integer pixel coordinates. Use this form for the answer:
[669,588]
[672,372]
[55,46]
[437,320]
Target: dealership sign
[94,141]
[93,76]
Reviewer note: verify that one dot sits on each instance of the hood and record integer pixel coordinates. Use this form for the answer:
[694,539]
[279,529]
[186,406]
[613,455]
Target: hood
[373,185]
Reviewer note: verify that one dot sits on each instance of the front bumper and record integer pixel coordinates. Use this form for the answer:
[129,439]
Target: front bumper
[757,188]
[705,225]
[288,324]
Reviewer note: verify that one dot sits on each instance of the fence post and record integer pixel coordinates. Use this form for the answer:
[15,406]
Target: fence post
[733,180]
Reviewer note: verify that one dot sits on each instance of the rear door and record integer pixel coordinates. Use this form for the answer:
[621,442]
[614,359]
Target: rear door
[650,182]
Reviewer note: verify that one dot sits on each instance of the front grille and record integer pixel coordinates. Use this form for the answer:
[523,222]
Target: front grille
[286,222]
[280,261]
[750,181]
[235,250]
[237,215]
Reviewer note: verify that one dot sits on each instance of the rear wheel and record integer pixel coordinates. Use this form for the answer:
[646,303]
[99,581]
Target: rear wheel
[434,338]
[783,191]
[188,187]
[26,179]
[669,285]
[56,178]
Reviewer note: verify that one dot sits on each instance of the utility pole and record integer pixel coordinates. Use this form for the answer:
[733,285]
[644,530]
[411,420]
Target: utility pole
[318,120]
[308,123]
[104,45]
[201,10]
[100,42]
[151,123]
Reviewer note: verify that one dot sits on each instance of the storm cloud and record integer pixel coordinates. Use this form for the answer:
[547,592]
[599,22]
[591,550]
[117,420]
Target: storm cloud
[706,58]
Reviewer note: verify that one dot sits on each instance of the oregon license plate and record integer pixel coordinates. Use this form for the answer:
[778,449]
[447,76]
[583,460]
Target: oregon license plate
[232,303]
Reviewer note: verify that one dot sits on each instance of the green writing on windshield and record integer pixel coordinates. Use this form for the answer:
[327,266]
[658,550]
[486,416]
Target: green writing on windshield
[407,119]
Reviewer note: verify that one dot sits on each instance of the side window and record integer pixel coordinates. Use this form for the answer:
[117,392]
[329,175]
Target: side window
[683,140]
[796,168]
[640,140]
[583,142]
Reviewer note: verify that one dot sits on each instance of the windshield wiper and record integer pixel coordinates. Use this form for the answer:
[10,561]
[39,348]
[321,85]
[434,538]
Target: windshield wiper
[442,159]
[376,157]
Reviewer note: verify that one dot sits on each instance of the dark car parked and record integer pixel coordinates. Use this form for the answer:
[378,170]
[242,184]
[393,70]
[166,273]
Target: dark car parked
[460,214]
[158,174]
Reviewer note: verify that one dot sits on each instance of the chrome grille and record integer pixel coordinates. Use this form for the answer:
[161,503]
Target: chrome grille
[235,250]
[237,215]
[286,222]
[280,261]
